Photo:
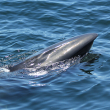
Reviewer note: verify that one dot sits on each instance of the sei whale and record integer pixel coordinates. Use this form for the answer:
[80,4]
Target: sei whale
[63,50]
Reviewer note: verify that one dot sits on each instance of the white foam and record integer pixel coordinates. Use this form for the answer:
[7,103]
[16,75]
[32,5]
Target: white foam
[42,72]
[4,70]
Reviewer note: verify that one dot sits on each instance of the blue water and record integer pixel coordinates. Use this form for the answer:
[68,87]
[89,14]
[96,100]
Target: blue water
[26,27]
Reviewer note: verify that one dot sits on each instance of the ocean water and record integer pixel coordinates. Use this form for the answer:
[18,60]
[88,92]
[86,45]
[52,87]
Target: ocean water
[26,27]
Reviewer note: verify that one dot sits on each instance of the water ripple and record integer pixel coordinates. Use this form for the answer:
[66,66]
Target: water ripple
[27,26]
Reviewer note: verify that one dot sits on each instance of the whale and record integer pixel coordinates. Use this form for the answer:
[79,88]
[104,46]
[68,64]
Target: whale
[70,48]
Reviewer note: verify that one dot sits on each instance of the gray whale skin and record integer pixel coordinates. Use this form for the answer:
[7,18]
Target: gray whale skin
[63,50]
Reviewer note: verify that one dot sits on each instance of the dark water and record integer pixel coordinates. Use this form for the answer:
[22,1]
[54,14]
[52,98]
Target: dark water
[27,26]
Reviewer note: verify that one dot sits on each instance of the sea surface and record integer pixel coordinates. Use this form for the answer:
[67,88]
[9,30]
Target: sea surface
[28,26]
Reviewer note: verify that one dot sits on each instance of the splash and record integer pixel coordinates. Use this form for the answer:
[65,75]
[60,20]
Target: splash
[57,67]
[4,70]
